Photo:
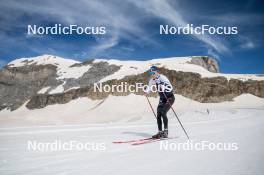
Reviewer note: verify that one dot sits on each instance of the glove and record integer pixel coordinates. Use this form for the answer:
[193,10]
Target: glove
[168,101]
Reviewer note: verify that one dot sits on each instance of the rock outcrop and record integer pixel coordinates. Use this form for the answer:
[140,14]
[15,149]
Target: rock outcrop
[208,63]
[19,84]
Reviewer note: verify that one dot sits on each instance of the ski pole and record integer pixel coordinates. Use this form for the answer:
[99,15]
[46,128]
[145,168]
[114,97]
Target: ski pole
[151,106]
[176,116]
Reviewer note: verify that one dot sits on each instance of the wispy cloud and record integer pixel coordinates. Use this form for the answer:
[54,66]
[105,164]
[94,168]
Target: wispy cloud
[163,9]
[126,22]
[113,14]
[212,53]
[102,46]
[248,24]
[238,18]
[246,43]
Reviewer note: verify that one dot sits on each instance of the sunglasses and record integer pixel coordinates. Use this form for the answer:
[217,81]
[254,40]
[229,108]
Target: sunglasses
[151,72]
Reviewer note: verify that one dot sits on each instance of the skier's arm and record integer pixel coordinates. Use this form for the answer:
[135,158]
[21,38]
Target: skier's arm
[148,88]
[166,85]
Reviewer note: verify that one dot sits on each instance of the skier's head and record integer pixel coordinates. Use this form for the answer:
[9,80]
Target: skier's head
[153,71]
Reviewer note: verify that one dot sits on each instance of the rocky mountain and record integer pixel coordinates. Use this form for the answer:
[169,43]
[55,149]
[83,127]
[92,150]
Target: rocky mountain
[46,80]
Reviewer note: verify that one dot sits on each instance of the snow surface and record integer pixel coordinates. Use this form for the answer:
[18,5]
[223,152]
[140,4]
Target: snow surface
[58,89]
[44,90]
[134,108]
[240,122]
[104,121]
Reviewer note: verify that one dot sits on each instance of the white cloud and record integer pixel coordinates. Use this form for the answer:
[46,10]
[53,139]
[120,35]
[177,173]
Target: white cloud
[236,18]
[164,10]
[123,19]
[115,15]
[248,45]
[211,53]
[103,45]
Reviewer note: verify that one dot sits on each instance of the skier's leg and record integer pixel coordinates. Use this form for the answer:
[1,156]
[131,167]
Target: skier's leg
[166,108]
[159,122]
[159,115]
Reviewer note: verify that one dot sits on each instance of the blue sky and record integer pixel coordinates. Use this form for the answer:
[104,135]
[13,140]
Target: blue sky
[133,30]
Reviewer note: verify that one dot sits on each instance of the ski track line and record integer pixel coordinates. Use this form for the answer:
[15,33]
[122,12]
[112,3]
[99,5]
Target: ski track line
[97,105]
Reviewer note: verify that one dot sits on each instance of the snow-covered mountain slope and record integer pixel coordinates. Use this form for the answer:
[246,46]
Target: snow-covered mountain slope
[127,67]
[64,69]
[43,60]
[48,80]
[174,63]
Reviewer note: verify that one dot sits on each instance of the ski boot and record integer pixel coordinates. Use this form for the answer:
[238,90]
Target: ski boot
[158,135]
[165,133]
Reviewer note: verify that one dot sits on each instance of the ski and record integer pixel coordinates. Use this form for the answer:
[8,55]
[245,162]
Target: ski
[131,141]
[152,140]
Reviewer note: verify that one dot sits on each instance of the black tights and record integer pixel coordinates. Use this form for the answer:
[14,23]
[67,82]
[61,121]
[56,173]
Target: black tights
[162,110]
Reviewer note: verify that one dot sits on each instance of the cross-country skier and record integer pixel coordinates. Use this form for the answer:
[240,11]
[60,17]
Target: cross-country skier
[165,90]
